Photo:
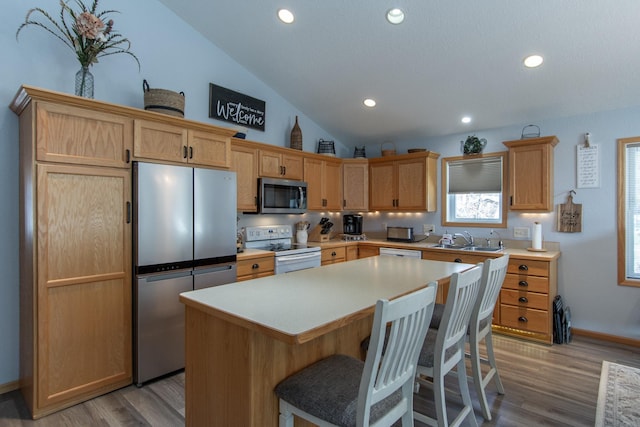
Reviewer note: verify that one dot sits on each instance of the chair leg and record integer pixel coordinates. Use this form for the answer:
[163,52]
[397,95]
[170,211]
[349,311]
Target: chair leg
[492,361]
[439,399]
[476,373]
[464,391]
[286,417]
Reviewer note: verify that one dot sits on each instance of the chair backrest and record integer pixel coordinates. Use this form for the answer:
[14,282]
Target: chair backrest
[399,329]
[461,298]
[493,274]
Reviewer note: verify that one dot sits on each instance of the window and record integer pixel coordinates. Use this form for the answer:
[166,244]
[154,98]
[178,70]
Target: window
[473,190]
[629,211]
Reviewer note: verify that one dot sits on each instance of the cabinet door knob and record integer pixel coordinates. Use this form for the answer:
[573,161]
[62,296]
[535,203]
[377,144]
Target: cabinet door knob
[523,299]
[522,319]
[191,152]
[523,283]
[184,151]
[255,266]
[523,267]
[127,156]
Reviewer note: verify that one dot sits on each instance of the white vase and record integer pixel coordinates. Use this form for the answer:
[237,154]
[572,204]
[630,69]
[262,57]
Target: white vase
[301,236]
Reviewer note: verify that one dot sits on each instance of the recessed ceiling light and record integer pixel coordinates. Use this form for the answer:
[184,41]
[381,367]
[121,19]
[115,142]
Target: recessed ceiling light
[466,119]
[369,102]
[533,61]
[286,16]
[395,16]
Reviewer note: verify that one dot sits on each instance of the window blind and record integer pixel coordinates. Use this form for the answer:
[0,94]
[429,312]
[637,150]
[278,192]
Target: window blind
[632,226]
[483,175]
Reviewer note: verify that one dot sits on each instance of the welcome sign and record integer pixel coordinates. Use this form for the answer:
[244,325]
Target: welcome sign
[231,106]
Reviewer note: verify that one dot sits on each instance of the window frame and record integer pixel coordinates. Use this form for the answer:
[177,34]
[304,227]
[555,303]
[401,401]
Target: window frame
[623,144]
[444,181]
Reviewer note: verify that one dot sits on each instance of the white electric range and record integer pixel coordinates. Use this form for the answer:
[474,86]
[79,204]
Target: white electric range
[289,256]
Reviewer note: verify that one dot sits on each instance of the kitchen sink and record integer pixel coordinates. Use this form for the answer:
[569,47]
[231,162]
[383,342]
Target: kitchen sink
[480,248]
[468,248]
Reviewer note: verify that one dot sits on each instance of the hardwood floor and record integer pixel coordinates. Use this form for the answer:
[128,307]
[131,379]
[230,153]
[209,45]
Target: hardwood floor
[545,386]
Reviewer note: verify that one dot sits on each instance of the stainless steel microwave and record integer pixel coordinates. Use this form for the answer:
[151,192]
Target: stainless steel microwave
[282,196]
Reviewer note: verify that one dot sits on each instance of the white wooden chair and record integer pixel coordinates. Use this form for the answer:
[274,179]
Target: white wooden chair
[493,274]
[443,349]
[344,391]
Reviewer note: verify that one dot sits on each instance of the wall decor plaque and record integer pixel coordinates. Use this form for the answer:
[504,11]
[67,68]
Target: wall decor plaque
[231,106]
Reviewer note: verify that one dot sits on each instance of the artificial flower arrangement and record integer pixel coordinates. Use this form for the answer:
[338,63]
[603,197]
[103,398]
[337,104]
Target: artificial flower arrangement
[83,30]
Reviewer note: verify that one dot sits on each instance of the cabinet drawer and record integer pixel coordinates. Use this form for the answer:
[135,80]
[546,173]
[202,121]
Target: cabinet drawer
[448,256]
[527,319]
[528,267]
[334,254]
[526,283]
[256,266]
[524,299]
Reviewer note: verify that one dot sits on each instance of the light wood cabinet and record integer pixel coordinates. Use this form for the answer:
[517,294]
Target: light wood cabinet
[404,182]
[333,255]
[367,251]
[180,144]
[255,266]
[531,174]
[355,187]
[244,161]
[75,250]
[324,183]
[283,163]
[352,252]
[526,299]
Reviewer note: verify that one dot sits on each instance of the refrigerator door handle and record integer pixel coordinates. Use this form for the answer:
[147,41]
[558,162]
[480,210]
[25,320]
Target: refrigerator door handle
[214,269]
[157,277]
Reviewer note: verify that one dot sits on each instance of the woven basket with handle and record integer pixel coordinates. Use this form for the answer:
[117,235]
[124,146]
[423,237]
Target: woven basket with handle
[387,151]
[163,101]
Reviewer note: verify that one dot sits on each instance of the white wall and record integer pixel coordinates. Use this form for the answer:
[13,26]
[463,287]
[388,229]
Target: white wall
[173,56]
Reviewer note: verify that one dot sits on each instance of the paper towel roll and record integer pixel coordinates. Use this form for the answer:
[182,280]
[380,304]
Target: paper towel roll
[536,242]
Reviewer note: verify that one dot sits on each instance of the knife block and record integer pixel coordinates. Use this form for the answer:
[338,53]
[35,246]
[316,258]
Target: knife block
[316,236]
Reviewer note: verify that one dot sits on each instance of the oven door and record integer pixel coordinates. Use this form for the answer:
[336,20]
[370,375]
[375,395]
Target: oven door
[288,263]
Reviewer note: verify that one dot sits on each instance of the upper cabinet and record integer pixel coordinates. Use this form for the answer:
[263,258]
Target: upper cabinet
[67,134]
[166,142]
[404,182]
[281,163]
[244,161]
[355,187]
[324,182]
[531,174]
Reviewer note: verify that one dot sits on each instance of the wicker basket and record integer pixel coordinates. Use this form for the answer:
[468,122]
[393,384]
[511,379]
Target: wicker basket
[388,152]
[163,101]
[296,136]
[326,147]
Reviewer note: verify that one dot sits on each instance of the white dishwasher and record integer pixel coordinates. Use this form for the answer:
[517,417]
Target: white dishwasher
[410,253]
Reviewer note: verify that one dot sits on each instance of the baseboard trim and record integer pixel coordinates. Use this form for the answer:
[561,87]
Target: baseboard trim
[6,388]
[606,337]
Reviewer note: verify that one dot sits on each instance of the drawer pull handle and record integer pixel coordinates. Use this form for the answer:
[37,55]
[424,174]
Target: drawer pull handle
[255,266]
[523,267]
[333,254]
[523,299]
[457,260]
[523,283]
[522,319]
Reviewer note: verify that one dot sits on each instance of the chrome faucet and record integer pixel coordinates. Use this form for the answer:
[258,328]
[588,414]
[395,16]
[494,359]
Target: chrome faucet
[468,238]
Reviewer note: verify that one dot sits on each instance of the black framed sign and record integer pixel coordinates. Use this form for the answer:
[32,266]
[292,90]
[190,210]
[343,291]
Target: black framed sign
[231,106]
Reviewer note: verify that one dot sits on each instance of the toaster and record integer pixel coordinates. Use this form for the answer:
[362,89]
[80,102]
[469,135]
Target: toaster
[400,234]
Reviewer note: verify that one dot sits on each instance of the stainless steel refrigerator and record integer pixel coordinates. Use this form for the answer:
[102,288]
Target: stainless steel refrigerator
[184,239]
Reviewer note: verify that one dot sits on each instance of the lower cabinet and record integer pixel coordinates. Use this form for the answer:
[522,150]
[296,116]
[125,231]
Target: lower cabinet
[255,267]
[334,255]
[526,299]
[367,251]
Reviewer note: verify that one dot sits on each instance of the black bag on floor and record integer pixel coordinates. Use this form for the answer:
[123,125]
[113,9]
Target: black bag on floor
[561,321]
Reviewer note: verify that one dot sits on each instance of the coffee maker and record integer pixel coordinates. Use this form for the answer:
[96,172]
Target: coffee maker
[352,224]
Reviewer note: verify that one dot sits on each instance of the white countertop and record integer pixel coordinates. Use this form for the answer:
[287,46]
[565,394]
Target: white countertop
[299,306]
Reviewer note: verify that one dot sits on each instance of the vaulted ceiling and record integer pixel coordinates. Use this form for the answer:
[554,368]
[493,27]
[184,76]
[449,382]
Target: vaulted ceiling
[448,59]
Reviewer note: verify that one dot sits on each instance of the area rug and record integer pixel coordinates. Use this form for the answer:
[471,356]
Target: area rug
[618,396]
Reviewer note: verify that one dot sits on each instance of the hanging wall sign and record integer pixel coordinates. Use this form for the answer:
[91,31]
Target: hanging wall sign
[588,167]
[230,106]
[569,216]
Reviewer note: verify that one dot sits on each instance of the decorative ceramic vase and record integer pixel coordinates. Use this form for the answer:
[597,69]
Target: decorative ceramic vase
[296,136]
[84,83]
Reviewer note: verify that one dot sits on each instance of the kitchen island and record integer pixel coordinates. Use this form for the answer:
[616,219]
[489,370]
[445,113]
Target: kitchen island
[244,338]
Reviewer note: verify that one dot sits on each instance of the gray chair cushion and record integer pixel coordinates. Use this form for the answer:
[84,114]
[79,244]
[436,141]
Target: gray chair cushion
[329,389]
[426,354]
[436,318]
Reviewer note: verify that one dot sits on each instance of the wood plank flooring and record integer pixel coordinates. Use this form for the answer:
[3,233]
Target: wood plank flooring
[545,386]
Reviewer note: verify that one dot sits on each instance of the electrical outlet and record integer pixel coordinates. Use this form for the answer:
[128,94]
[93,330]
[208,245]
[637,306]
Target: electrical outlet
[522,232]
[428,228]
